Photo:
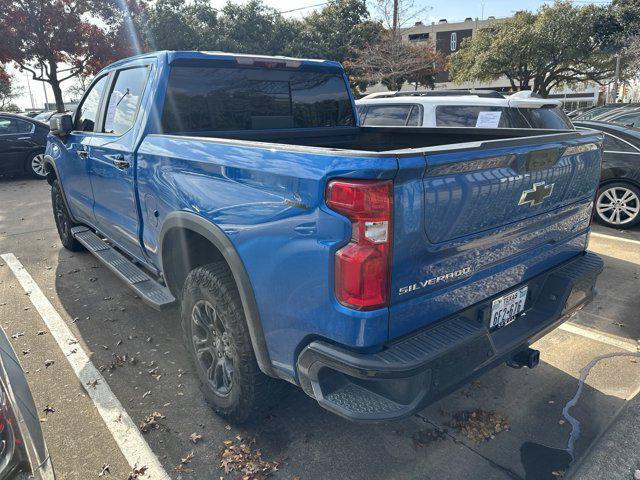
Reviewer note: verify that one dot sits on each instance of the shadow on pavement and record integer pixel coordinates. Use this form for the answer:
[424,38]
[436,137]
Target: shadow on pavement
[156,375]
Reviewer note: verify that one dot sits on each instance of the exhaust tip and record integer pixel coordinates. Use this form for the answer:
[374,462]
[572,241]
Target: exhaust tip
[526,358]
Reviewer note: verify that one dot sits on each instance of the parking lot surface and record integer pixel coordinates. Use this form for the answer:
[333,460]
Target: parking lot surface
[139,354]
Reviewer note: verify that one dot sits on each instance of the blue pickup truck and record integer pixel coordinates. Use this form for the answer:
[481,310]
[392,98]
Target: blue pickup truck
[376,268]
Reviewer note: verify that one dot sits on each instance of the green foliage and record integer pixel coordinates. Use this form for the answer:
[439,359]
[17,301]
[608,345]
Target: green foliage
[559,45]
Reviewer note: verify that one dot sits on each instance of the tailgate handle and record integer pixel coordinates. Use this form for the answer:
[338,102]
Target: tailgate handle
[537,160]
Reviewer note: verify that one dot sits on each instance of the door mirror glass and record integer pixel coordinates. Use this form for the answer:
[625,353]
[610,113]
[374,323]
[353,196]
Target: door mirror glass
[61,124]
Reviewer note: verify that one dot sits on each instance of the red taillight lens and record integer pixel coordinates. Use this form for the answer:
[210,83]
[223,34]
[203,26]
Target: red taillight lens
[362,266]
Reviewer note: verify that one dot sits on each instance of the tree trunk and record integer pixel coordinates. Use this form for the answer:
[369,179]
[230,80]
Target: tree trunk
[55,86]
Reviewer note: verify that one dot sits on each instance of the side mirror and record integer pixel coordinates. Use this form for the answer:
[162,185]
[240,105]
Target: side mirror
[61,124]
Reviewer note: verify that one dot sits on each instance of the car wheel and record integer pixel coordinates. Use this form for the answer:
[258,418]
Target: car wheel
[35,165]
[215,333]
[618,205]
[63,219]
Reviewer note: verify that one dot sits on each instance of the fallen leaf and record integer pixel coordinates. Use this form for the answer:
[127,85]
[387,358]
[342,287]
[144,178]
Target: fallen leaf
[242,456]
[195,437]
[137,472]
[48,363]
[151,422]
[188,457]
[479,425]
[17,335]
[105,469]
[562,422]
[48,409]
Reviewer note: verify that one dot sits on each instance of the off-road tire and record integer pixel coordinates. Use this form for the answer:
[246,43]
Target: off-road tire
[251,390]
[63,219]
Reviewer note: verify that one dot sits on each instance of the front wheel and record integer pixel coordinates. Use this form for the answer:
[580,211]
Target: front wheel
[63,219]
[34,165]
[216,334]
[618,205]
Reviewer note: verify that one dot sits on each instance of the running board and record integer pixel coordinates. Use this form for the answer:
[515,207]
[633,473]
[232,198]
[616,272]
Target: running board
[149,290]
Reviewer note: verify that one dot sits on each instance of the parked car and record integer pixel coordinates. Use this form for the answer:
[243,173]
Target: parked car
[461,108]
[626,117]
[604,110]
[376,268]
[23,452]
[45,116]
[22,144]
[579,111]
[618,200]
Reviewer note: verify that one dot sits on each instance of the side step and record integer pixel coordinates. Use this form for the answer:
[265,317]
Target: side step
[149,290]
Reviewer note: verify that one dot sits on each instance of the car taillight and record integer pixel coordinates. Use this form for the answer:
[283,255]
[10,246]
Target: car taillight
[362,266]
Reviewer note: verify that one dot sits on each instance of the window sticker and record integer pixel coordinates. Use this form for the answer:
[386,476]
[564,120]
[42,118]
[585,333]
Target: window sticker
[488,119]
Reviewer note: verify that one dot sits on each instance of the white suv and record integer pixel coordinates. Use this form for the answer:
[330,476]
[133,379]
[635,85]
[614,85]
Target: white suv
[461,108]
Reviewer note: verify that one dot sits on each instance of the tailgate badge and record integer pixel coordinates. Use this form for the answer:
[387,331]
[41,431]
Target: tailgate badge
[537,194]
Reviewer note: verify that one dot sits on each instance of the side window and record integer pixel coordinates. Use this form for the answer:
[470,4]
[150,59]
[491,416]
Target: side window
[88,110]
[10,126]
[612,143]
[387,115]
[124,100]
[415,117]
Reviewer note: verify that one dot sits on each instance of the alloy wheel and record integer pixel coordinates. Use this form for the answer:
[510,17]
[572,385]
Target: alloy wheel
[618,205]
[215,352]
[37,165]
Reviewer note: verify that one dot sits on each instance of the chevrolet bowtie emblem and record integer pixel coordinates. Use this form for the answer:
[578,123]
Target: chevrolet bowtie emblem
[536,195]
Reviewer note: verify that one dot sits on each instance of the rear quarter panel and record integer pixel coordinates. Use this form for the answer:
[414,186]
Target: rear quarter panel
[270,204]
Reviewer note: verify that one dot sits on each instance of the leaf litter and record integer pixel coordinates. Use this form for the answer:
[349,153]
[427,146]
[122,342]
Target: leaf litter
[240,455]
[479,425]
[151,422]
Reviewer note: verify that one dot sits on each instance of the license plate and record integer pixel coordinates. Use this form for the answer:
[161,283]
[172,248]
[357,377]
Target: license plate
[506,308]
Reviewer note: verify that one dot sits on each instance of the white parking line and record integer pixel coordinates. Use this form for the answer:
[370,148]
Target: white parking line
[613,237]
[612,340]
[129,439]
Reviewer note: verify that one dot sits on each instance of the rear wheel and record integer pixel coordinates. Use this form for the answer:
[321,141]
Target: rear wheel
[63,219]
[215,333]
[34,165]
[618,205]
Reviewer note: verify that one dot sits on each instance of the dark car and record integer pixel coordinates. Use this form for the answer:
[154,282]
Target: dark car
[23,452]
[618,200]
[22,144]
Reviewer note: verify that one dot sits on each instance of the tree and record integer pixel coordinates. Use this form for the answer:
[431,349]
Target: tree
[55,40]
[559,45]
[7,91]
[393,62]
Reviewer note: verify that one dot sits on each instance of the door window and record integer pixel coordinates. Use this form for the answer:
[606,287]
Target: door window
[615,144]
[10,126]
[88,110]
[392,115]
[124,100]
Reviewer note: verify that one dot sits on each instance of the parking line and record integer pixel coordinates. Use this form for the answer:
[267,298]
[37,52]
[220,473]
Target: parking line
[613,237]
[612,340]
[126,434]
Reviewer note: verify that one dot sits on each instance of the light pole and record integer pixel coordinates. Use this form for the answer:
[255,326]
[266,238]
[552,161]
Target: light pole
[33,107]
[616,78]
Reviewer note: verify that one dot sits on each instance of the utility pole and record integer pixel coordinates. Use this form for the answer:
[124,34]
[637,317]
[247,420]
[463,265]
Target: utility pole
[33,107]
[46,97]
[616,79]
[395,16]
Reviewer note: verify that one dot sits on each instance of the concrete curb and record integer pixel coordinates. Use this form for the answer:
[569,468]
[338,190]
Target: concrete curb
[616,454]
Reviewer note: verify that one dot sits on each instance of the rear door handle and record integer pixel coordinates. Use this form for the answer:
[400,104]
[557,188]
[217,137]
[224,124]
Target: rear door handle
[120,162]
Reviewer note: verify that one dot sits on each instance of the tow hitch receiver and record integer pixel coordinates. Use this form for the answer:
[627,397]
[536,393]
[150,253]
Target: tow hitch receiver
[526,358]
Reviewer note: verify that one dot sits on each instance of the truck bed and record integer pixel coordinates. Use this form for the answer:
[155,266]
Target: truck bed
[378,139]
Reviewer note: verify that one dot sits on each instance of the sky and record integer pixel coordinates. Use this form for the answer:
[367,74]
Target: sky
[431,11]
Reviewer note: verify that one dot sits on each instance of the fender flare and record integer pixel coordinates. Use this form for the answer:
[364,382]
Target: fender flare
[191,221]
[50,163]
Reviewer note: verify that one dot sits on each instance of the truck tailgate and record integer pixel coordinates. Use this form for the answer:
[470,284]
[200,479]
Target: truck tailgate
[478,219]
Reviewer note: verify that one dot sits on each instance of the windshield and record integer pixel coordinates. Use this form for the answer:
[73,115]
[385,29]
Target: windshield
[206,98]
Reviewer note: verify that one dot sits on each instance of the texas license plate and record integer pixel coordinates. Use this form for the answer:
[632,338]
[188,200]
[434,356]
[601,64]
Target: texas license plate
[506,308]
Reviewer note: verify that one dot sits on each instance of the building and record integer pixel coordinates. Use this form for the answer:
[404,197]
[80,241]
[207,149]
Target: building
[448,38]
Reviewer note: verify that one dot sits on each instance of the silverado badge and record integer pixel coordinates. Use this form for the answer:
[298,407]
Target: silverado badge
[537,194]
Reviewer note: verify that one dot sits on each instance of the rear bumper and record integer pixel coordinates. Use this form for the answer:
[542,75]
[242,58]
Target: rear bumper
[414,371]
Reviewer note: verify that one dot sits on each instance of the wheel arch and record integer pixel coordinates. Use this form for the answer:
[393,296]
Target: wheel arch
[183,234]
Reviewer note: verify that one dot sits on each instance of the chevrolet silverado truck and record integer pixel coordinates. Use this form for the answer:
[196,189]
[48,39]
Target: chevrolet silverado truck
[376,268]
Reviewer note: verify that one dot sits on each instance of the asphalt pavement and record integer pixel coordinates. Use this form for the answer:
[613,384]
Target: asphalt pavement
[142,362]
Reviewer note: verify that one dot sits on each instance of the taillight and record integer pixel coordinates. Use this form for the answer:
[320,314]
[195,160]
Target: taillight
[362,266]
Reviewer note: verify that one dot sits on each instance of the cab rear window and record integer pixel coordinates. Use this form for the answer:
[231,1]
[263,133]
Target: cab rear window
[203,98]
[474,116]
[390,115]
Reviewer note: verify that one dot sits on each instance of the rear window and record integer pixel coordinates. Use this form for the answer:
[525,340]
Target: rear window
[223,98]
[390,115]
[547,117]
[479,116]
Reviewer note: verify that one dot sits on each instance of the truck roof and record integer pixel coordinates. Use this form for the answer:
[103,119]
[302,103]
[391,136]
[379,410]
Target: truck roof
[171,56]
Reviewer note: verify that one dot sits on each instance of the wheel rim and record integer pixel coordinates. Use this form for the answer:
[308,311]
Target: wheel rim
[215,353]
[37,165]
[618,205]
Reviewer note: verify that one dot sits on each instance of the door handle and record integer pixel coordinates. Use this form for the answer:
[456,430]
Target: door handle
[120,162]
[24,138]
[83,153]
